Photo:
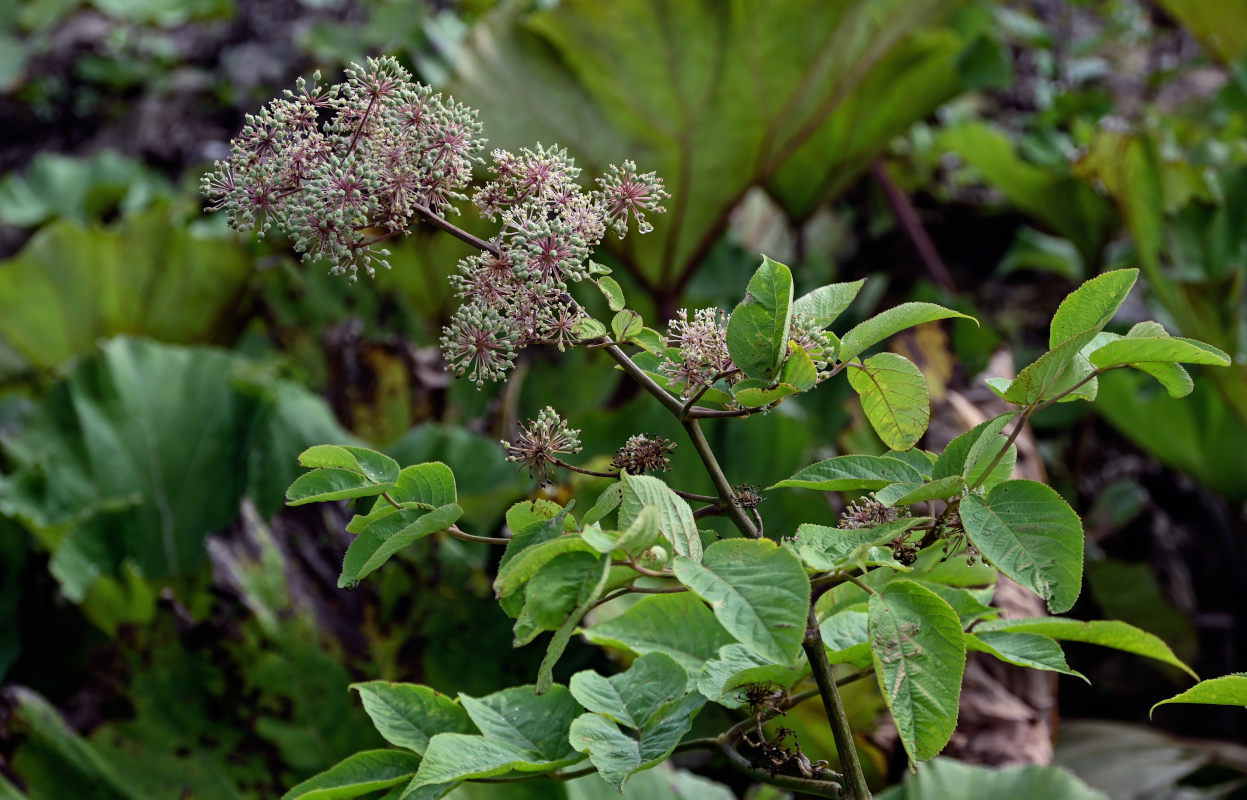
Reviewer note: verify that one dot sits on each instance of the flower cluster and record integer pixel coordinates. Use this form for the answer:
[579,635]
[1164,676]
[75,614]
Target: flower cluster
[867,513]
[643,453]
[550,225]
[702,343]
[541,441]
[344,168]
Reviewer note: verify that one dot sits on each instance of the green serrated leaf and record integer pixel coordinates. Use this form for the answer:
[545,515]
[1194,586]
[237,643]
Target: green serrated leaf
[736,665]
[360,774]
[588,328]
[884,326]
[652,341]
[607,502]
[799,370]
[826,549]
[589,594]
[755,397]
[1031,534]
[919,654]
[1228,690]
[377,467]
[642,533]
[323,485]
[983,451]
[386,536]
[894,397]
[645,690]
[407,715]
[1091,306]
[617,755]
[942,489]
[1022,649]
[676,517]
[1106,633]
[678,625]
[1162,349]
[757,590]
[847,473]
[626,325]
[612,291]
[1052,373]
[518,571]
[757,331]
[823,305]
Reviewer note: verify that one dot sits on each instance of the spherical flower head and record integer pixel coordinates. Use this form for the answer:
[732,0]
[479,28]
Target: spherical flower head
[643,453]
[813,339]
[867,512]
[704,357]
[479,343]
[626,193]
[540,442]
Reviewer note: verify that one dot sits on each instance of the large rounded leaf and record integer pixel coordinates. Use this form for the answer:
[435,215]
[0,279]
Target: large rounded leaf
[919,653]
[895,398]
[757,590]
[1031,535]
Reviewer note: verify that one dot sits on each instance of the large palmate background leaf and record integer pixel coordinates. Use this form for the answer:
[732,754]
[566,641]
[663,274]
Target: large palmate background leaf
[168,628]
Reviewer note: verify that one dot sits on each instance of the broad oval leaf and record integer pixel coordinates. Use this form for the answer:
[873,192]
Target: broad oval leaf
[677,523]
[1104,632]
[592,587]
[1091,306]
[518,571]
[626,324]
[825,303]
[407,715]
[894,320]
[1228,690]
[678,625]
[757,590]
[735,665]
[757,331]
[894,397]
[377,467]
[919,653]
[825,549]
[535,722]
[646,689]
[357,775]
[1031,534]
[618,755]
[385,537]
[331,483]
[612,291]
[848,473]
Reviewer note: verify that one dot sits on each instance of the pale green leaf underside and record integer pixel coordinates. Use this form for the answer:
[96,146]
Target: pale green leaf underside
[894,397]
[1032,535]
[1091,306]
[1228,690]
[1022,649]
[847,473]
[357,775]
[757,590]
[919,654]
[1106,633]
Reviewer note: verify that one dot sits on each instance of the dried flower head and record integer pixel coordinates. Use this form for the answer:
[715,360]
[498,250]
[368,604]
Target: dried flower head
[867,512]
[541,441]
[643,453]
[748,496]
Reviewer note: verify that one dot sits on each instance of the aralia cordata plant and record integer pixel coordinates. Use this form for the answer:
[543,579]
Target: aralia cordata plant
[897,588]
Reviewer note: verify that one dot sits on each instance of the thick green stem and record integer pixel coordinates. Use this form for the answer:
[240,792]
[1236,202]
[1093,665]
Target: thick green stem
[854,778]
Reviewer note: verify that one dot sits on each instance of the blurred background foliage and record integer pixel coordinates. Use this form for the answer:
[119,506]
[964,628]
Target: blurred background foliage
[168,630]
